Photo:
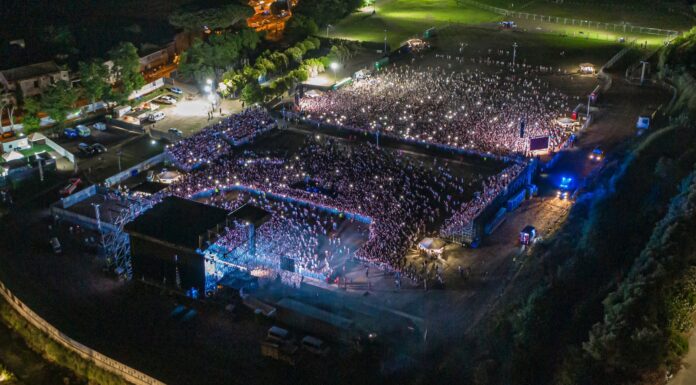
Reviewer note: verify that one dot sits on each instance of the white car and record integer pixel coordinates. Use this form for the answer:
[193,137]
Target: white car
[166,99]
[99,126]
[156,117]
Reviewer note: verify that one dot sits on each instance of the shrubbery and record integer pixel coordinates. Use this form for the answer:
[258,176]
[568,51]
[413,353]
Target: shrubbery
[53,351]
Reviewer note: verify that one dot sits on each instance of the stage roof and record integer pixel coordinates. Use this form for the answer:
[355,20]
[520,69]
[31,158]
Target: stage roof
[177,221]
[149,187]
[251,214]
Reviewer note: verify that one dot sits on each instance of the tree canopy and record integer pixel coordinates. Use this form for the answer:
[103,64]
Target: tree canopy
[212,18]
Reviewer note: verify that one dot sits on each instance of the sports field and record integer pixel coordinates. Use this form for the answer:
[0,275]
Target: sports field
[407,18]
[667,15]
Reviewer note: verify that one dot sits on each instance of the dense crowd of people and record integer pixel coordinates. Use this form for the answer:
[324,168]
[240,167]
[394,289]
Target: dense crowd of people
[474,110]
[216,140]
[402,200]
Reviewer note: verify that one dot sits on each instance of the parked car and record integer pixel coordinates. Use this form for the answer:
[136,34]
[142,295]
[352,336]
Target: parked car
[71,186]
[156,117]
[85,149]
[98,148]
[176,90]
[99,126]
[83,131]
[70,133]
[166,99]
[176,132]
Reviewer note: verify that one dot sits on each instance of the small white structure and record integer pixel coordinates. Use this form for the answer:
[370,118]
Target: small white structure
[168,177]
[37,138]
[587,68]
[12,155]
[567,123]
[432,246]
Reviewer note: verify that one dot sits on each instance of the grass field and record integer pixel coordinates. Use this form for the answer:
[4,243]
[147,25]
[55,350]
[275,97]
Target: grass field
[666,15]
[407,18]
[555,50]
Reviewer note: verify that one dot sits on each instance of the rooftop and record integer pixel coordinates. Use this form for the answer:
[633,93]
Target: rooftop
[251,214]
[30,71]
[177,221]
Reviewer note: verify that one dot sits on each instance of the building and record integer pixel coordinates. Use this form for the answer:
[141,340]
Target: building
[271,16]
[167,242]
[31,80]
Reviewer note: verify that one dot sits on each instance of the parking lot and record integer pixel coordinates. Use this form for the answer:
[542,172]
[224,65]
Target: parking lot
[111,137]
[191,112]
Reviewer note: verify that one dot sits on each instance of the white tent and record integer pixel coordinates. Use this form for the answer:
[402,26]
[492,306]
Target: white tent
[36,136]
[12,155]
[432,245]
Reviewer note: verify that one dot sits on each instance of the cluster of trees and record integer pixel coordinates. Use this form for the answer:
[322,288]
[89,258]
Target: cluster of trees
[246,80]
[681,53]
[616,296]
[195,22]
[98,82]
[324,12]
[220,52]
[647,318]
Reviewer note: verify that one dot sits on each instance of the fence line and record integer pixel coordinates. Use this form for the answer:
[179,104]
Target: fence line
[109,364]
[624,28]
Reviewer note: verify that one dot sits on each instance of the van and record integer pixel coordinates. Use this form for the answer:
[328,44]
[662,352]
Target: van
[156,117]
[314,345]
[83,131]
[278,334]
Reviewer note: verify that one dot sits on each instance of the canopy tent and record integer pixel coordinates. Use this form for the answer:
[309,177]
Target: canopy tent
[36,137]
[432,245]
[312,94]
[566,122]
[12,155]
[587,68]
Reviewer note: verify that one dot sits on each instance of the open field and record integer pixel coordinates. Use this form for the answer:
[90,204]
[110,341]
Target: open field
[403,19]
[407,18]
[667,15]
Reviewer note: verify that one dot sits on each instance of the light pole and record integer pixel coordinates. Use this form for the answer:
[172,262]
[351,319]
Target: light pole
[334,67]
[385,41]
[642,72]
[327,30]
[119,153]
[514,53]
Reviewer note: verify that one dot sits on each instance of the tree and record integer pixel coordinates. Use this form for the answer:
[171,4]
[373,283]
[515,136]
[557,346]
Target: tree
[301,26]
[251,93]
[6,104]
[94,82]
[58,100]
[212,18]
[31,121]
[295,53]
[126,71]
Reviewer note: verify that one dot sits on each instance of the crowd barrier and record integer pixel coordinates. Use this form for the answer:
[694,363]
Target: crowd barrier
[109,364]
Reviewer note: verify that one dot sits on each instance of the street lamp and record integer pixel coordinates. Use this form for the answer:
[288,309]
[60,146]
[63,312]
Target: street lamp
[334,67]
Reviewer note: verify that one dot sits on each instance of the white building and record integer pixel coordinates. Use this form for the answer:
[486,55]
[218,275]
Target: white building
[31,80]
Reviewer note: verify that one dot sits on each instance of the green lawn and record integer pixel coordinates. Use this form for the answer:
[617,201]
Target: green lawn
[640,13]
[36,149]
[404,19]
